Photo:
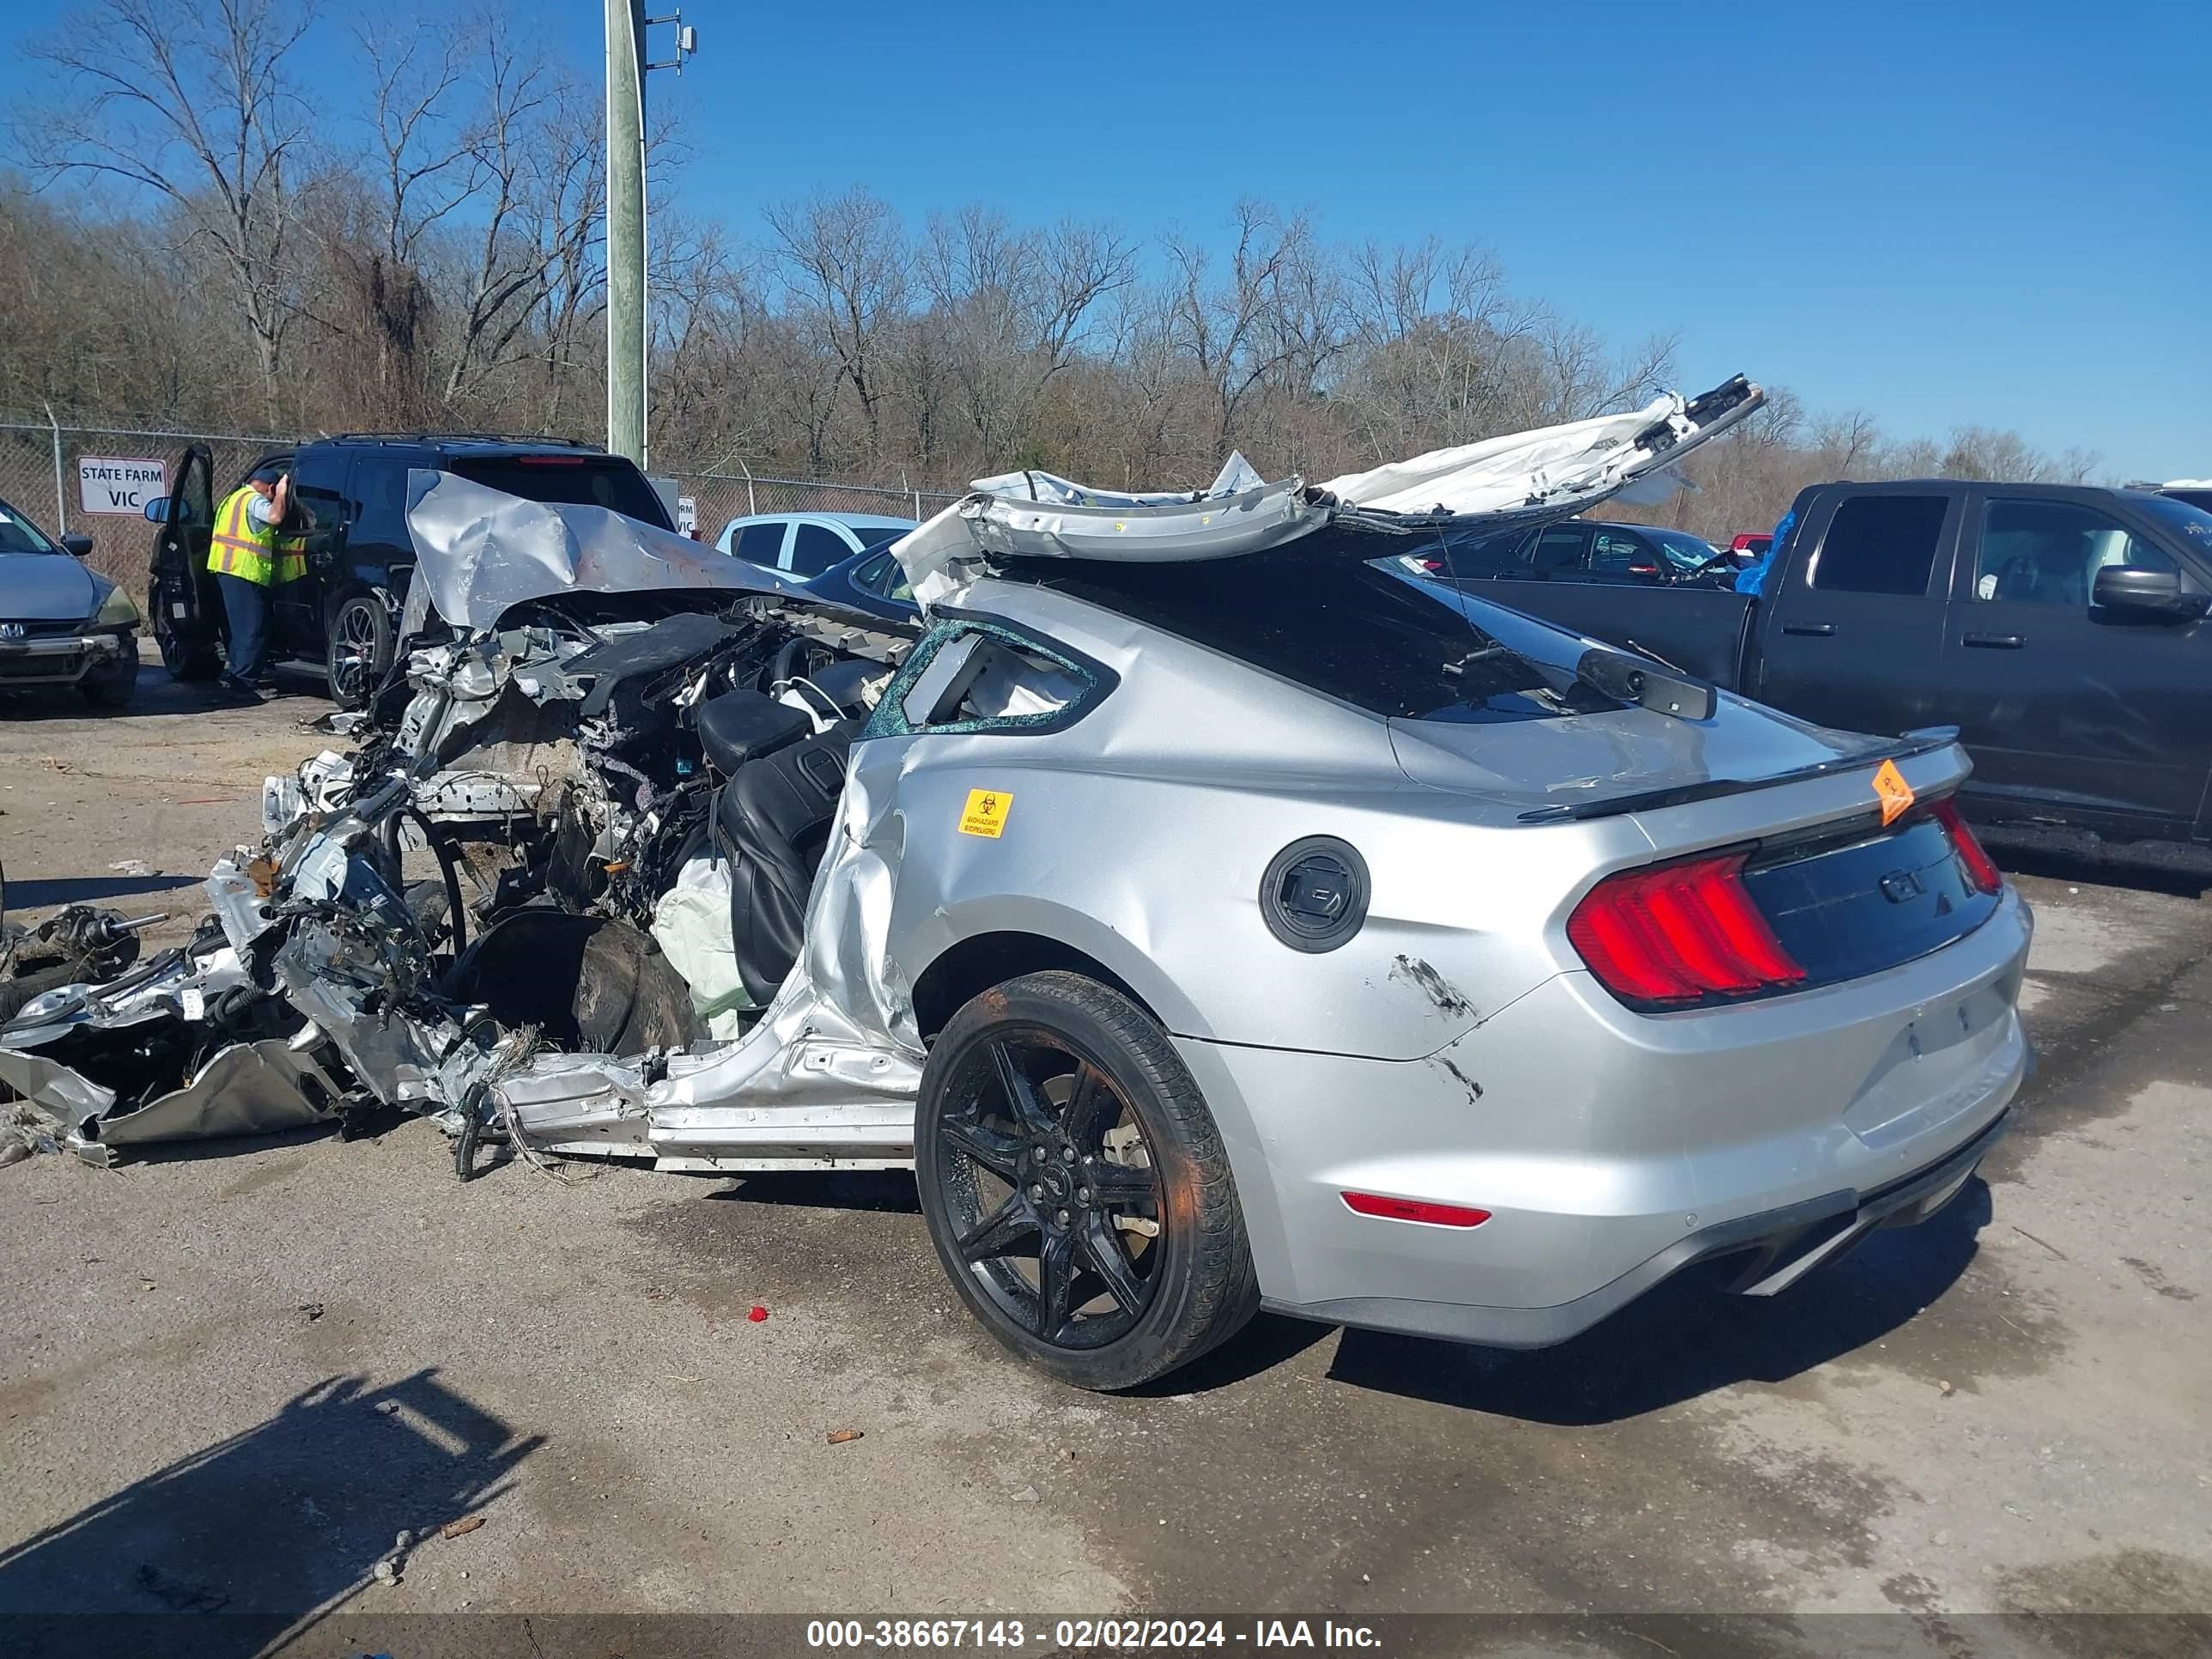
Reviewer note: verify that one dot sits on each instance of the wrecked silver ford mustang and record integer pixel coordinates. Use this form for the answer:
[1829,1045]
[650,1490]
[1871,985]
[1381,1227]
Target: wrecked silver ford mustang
[1212,914]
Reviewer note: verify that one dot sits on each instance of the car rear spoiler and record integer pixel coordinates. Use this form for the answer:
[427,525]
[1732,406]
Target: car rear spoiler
[1550,472]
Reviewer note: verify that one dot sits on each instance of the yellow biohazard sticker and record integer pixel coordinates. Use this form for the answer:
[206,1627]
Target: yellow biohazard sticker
[986,813]
[1890,788]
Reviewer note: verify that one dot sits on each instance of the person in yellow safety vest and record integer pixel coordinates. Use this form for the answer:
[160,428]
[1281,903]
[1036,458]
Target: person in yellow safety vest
[249,555]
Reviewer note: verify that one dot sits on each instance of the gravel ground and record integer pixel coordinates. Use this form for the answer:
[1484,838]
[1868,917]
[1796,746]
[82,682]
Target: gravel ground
[229,1377]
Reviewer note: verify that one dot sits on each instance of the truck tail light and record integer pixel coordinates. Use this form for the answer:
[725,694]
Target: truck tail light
[1982,871]
[1679,933]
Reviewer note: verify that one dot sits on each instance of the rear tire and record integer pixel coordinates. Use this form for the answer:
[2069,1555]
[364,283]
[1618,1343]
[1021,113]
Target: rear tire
[359,651]
[1057,1124]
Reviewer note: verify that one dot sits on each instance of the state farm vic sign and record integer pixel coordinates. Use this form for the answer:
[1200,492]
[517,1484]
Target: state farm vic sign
[109,483]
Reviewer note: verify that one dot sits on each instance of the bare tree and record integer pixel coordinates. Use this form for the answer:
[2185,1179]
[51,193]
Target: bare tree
[1845,442]
[197,104]
[844,260]
[1241,333]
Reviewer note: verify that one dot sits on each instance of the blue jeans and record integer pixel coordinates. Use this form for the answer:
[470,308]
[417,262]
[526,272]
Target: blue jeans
[247,604]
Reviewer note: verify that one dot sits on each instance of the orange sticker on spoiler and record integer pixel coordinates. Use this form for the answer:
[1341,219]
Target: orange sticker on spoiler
[1894,793]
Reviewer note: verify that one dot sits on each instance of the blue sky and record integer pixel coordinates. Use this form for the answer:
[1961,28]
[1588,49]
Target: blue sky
[1944,213]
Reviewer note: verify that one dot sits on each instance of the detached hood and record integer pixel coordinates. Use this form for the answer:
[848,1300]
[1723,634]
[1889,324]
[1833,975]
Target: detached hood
[480,552]
[47,587]
[1523,476]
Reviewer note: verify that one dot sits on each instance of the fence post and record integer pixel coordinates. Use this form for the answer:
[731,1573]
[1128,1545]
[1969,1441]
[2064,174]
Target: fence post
[750,508]
[61,496]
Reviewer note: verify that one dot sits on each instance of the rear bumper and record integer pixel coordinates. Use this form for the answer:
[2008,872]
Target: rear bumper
[1778,1248]
[1612,1149]
[63,659]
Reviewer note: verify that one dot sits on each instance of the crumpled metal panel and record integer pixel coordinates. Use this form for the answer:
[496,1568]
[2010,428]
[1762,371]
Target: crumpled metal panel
[1581,463]
[480,552]
[830,1071]
[68,1094]
[1549,472]
[250,1089]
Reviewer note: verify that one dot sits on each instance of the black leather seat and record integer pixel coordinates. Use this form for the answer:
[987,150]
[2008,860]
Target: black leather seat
[772,822]
[741,726]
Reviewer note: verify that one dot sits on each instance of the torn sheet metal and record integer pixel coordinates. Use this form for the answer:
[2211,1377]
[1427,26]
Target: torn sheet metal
[1574,465]
[1550,472]
[1236,477]
[481,552]
[249,1089]
[827,1078]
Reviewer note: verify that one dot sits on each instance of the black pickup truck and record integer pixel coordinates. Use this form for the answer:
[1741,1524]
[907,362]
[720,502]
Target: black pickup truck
[2062,628]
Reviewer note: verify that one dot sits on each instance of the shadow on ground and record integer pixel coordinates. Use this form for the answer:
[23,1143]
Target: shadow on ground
[159,693]
[41,893]
[264,1532]
[2153,866]
[1686,1339]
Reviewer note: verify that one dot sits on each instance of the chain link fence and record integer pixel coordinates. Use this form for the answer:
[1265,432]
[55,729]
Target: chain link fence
[41,480]
[719,497]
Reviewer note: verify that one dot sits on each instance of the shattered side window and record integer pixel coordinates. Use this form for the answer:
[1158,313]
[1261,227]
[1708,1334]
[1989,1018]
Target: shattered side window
[972,676]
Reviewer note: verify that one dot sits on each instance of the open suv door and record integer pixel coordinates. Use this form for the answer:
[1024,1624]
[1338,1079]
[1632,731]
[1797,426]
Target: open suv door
[181,596]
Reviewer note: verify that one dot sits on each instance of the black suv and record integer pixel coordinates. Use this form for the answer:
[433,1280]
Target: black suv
[350,513]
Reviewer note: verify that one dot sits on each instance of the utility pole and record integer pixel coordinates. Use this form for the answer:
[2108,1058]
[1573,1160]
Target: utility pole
[627,311]
[630,310]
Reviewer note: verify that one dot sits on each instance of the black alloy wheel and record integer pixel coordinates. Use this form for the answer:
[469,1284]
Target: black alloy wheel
[1075,1185]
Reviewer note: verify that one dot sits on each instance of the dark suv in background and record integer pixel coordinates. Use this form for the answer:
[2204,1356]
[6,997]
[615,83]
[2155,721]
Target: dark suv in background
[350,513]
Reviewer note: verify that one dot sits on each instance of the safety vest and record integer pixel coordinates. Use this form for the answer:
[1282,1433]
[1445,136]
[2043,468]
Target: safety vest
[254,551]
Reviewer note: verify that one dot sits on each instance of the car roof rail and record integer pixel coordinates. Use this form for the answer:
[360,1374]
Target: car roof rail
[434,438]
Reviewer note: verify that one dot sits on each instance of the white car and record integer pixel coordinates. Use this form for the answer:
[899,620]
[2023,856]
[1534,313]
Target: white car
[804,544]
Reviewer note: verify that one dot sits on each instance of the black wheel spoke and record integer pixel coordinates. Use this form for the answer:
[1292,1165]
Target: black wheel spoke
[1028,1108]
[1001,1154]
[1120,1185]
[998,1232]
[1092,1106]
[1055,1284]
[1103,1251]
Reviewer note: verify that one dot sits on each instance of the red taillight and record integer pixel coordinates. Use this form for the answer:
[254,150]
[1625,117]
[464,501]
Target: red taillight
[1982,873]
[1679,933]
[1414,1209]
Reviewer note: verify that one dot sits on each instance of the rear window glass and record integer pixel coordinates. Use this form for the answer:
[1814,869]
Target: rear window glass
[1880,544]
[876,535]
[1323,618]
[605,481]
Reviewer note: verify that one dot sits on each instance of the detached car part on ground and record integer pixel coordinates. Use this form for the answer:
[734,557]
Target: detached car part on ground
[1213,914]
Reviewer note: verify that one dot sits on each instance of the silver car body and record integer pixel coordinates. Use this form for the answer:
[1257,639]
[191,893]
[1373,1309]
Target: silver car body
[1457,1050]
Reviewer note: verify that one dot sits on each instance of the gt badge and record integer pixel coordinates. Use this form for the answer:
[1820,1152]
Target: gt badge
[1890,788]
[986,813]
